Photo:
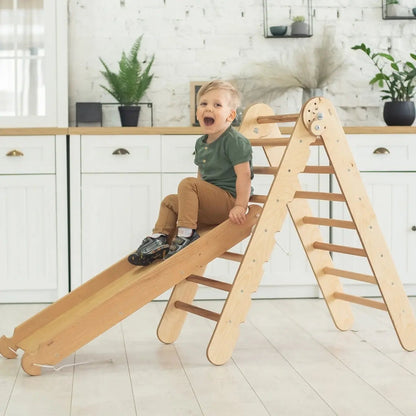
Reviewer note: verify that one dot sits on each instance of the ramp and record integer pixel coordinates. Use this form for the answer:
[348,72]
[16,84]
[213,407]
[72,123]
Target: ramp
[82,315]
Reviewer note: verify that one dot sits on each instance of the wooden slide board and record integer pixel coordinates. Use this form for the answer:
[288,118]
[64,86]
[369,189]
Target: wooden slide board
[65,326]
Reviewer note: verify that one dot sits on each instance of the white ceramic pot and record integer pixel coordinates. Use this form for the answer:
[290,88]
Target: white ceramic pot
[300,29]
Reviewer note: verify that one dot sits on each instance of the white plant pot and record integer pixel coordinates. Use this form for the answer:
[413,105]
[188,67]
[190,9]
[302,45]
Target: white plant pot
[393,10]
[299,29]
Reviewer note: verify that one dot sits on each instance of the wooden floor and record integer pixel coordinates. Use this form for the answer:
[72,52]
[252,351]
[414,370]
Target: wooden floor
[290,360]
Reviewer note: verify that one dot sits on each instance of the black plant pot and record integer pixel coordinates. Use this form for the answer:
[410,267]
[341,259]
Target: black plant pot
[129,115]
[399,113]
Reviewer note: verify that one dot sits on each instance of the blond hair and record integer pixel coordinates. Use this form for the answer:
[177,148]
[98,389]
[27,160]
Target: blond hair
[221,85]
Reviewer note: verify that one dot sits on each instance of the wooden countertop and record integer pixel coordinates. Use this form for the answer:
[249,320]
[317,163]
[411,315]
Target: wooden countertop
[36,131]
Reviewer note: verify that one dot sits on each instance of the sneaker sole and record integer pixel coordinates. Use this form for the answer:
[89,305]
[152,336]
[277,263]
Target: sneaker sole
[140,260]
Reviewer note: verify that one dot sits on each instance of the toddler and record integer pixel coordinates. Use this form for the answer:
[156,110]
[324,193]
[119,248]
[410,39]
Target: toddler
[222,187]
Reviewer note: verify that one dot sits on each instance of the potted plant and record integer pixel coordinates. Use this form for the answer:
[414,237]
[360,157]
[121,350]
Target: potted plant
[129,84]
[299,27]
[398,82]
[392,8]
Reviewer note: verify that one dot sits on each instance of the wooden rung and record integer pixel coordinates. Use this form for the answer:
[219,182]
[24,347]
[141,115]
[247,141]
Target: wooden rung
[361,301]
[350,275]
[326,196]
[272,170]
[265,170]
[283,141]
[330,222]
[339,249]
[284,118]
[197,311]
[216,284]
[258,198]
[232,256]
[319,169]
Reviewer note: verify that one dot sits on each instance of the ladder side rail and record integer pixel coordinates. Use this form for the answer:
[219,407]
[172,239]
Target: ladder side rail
[173,318]
[319,260]
[368,229]
[261,244]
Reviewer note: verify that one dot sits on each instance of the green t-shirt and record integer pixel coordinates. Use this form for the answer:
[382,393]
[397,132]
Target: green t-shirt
[216,160]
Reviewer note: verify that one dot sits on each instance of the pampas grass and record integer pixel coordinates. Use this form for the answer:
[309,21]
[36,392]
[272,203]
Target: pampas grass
[308,68]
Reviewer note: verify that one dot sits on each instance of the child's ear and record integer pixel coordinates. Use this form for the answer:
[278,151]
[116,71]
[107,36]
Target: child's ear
[232,115]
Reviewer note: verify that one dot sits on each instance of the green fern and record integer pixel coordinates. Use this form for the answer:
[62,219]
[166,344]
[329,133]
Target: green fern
[131,82]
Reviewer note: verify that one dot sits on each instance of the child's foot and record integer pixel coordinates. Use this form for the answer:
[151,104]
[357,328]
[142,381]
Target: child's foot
[179,243]
[150,250]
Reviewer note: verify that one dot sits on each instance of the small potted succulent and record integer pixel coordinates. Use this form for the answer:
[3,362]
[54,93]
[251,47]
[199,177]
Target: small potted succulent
[392,8]
[129,84]
[398,82]
[299,26]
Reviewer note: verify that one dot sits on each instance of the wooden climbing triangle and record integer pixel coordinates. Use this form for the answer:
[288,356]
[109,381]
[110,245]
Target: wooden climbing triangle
[316,125]
[71,322]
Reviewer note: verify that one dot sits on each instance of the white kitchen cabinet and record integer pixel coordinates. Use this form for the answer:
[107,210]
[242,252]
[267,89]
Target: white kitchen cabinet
[388,169]
[118,181]
[288,273]
[118,211]
[33,219]
[115,195]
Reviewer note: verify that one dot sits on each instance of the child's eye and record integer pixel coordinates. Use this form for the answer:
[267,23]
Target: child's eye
[218,105]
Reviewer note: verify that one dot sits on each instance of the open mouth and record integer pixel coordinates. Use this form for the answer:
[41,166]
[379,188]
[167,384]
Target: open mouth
[208,121]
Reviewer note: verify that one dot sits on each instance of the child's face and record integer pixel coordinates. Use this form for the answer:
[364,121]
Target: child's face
[215,113]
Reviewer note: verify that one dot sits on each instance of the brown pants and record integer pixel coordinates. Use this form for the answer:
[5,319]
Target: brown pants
[196,203]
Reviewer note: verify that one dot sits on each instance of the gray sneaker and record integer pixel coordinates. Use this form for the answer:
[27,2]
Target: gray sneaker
[150,250]
[178,243]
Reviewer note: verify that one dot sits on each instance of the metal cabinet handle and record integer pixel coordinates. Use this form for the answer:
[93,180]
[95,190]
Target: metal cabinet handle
[14,153]
[121,151]
[414,228]
[381,151]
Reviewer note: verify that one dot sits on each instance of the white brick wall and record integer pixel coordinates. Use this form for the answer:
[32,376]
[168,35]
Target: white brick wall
[203,40]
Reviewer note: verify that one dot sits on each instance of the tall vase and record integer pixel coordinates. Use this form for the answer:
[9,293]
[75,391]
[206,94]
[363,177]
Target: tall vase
[309,93]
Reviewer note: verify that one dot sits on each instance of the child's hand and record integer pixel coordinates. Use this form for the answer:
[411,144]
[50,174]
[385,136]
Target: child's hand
[237,214]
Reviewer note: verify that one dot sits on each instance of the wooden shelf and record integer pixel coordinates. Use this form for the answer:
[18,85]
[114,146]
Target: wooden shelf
[399,17]
[288,12]
[289,36]
[404,13]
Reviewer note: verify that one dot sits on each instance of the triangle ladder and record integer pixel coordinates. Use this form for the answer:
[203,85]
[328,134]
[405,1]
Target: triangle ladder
[316,125]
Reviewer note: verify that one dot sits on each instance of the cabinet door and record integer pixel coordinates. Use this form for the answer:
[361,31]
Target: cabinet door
[178,153]
[118,211]
[393,196]
[28,247]
[288,273]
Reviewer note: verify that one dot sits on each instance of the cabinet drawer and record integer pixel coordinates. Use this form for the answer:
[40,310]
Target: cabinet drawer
[29,154]
[384,152]
[112,154]
[178,153]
